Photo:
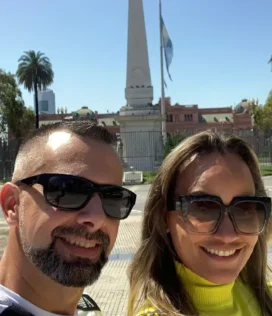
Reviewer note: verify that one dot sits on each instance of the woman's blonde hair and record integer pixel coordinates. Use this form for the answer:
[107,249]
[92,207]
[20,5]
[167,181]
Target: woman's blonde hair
[152,272]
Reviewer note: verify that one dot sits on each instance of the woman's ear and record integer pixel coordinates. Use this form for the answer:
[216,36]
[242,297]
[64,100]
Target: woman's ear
[9,199]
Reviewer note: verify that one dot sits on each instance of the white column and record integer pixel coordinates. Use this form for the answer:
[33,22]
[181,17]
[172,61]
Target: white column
[139,90]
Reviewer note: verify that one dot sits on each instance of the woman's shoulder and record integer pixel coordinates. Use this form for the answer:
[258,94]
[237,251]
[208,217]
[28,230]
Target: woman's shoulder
[148,310]
[240,283]
[241,286]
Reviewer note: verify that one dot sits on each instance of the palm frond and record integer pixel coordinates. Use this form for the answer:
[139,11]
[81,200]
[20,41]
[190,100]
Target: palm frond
[34,69]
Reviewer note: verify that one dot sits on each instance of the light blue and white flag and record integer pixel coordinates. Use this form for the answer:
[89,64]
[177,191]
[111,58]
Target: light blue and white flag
[168,47]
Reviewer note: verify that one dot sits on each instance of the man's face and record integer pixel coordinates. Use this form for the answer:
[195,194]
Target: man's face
[70,247]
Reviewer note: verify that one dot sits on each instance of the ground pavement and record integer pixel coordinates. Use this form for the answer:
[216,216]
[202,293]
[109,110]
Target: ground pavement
[111,290]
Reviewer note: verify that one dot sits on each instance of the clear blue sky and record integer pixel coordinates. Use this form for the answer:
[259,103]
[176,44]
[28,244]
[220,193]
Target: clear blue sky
[221,48]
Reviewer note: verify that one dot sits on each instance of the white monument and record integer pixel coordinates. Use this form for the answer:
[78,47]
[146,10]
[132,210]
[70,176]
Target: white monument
[140,121]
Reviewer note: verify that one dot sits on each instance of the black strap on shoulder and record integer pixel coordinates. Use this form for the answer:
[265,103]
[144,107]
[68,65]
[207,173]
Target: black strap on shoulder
[15,310]
[86,303]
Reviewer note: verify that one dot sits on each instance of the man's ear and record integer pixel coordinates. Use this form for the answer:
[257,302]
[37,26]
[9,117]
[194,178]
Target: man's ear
[9,199]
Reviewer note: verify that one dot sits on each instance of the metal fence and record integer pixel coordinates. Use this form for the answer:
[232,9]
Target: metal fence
[140,150]
[145,151]
[8,152]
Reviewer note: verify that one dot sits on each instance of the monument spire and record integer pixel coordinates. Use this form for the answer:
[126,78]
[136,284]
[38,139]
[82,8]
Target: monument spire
[139,90]
[140,121]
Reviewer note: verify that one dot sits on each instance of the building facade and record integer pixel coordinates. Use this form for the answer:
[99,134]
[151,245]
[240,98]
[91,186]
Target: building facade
[179,118]
[47,102]
[190,118]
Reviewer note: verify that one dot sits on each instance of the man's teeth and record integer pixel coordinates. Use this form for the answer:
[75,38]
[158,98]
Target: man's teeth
[80,243]
[220,253]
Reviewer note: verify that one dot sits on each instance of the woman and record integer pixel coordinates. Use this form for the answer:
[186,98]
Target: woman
[205,230]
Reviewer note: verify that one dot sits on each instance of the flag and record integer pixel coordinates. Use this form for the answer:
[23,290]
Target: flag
[270,62]
[167,47]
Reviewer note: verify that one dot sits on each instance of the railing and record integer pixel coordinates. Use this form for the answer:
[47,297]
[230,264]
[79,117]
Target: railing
[8,152]
[145,151]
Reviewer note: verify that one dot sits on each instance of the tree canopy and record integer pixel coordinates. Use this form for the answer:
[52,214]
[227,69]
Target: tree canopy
[35,73]
[172,142]
[263,114]
[14,114]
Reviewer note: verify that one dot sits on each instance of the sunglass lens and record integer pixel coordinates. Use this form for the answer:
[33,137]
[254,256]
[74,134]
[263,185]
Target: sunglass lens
[67,192]
[249,216]
[203,215]
[117,201]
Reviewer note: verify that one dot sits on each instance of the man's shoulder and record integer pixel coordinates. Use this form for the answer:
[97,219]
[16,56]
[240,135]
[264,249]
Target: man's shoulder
[87,306]
[13,304]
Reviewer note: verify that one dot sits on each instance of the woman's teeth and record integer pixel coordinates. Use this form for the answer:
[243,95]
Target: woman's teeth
[220,253]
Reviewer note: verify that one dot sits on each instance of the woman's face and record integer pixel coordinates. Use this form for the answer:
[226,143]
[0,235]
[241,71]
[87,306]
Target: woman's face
[226,177]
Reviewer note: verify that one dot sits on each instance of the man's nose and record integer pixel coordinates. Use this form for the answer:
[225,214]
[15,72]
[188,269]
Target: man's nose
[92,215]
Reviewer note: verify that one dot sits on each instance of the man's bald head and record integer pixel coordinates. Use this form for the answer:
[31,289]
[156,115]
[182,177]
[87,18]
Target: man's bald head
[31,155]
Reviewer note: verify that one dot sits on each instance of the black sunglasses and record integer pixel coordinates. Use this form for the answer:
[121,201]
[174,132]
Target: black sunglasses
[204,213]
[72,193]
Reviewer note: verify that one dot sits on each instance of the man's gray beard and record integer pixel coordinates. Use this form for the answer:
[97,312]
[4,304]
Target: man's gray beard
[78,272]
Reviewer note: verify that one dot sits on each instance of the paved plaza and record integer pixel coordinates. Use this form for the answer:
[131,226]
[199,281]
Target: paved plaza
[111,290]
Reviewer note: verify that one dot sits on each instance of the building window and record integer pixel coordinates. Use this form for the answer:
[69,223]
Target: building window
[114,123]
[169,117]
[103,123]
[44,106]
[188,117]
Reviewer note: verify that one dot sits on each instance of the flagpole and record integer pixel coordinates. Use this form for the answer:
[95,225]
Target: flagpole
[162,80]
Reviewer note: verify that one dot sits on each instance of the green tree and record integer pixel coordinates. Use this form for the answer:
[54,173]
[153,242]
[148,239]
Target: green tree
[172,142]
[263,114]
[14,115]
[268,102]
[35,72]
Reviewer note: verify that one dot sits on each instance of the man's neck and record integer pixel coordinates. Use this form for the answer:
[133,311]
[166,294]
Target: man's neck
[21,277]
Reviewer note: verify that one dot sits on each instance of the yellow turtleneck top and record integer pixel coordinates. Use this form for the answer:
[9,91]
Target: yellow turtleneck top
[232,299]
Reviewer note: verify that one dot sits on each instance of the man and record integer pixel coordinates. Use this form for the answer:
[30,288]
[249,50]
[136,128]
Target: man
[63,208]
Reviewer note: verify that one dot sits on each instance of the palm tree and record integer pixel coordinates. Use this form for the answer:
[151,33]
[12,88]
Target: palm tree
[35,72]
